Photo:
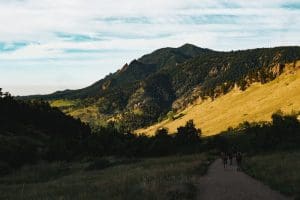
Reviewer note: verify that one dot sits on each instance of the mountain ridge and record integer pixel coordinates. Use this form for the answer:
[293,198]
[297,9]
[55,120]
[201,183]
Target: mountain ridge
[143,91]
[144,60]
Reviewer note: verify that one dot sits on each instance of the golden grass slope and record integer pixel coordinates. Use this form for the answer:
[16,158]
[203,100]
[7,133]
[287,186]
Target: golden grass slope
[257,103]
[62,103]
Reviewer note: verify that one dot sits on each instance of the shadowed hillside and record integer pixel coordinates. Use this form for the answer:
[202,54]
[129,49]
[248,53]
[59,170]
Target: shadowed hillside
[170,79]
[33,131]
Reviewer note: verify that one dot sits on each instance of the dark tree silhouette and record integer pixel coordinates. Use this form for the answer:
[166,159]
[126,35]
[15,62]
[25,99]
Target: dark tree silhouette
[188,134]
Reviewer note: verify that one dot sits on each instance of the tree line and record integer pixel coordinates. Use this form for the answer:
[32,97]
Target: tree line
[282,133]
[31,131]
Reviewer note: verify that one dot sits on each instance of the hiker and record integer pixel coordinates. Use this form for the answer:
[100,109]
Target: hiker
[224,159]
[230,156]
[239,160]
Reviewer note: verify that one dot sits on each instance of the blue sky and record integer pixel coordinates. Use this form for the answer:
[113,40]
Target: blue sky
[49,45]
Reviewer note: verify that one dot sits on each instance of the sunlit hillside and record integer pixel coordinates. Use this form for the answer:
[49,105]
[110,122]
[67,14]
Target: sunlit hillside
[257,103]
[75,109]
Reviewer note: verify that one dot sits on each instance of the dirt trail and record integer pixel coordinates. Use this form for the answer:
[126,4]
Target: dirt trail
[231,184]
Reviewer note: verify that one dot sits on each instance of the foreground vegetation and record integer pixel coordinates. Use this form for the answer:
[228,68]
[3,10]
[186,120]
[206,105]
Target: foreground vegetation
[154,178]
[280,170]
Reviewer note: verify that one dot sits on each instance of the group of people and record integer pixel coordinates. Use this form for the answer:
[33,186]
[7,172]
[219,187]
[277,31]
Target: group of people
[225,156]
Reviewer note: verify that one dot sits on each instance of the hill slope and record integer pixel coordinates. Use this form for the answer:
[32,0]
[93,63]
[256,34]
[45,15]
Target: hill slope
[33,131]
[256,103]
[144,91]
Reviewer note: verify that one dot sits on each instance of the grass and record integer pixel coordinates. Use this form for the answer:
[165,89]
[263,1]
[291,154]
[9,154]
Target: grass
[63,103]
[172,177]
[88,114]
[255,104]
[280,170]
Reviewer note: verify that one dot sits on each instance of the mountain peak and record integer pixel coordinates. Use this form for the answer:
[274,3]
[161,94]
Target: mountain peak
[192,47]
[188,45]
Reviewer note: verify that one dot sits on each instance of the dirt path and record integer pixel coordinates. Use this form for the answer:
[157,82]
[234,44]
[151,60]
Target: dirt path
[230,184]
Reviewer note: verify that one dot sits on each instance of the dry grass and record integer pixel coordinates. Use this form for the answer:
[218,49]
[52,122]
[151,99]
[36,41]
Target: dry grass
[279,170]
[257,103]
[88,114]
[171,177]
[62,103]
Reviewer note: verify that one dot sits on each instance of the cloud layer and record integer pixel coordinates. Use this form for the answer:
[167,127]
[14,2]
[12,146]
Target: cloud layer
[83,40]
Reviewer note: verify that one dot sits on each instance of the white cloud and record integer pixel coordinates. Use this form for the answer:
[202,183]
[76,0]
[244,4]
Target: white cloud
[114,32]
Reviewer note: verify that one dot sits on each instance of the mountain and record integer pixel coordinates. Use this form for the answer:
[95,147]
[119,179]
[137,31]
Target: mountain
[131,73]
[170,79]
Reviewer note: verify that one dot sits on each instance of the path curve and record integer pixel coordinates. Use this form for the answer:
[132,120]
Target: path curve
[230,184]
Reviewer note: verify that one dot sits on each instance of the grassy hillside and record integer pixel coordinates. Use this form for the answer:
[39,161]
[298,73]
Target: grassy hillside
[142,92]
[256,103]
[77,109]
[157,178]
[284,164]
[62,103]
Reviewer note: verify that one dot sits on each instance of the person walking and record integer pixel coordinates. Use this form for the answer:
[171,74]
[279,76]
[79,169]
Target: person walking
[224,159]
[239,160]
[230,156]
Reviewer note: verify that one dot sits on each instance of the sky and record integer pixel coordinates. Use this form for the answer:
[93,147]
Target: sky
[50,45]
